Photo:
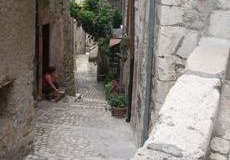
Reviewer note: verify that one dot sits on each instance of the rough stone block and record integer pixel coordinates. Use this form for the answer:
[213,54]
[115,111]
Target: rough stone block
[7,137]
[170,37]
[186,119]
[162,89]
[210,56]
[172,2]
[220,145]
[216,156]
[196,14]
[166,68]
[219,24]
[171,15]
[188,44]
[223,4]
[147,154]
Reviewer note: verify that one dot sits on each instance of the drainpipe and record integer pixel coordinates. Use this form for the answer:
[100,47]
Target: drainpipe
[131,70]
[149,68]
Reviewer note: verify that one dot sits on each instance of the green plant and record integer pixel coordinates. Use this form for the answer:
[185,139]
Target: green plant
[108,89]
[117,100]
[103,44]
[109,78]
[124,44]
[95,19]
[117,19]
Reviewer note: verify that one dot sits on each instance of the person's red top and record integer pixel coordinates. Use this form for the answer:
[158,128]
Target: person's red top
[45,81]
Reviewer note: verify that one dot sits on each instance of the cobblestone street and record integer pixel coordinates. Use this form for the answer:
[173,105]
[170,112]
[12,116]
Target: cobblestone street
[82,130]
[87,84]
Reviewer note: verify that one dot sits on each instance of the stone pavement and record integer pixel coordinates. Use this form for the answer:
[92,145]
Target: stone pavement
[86,80]
[220,144]
[70,130]
[82,130]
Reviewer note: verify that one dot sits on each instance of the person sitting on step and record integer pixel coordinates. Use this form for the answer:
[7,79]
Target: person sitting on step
[49,84]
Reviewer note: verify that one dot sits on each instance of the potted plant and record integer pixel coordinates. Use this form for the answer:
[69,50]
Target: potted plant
[118,104]
[108,89]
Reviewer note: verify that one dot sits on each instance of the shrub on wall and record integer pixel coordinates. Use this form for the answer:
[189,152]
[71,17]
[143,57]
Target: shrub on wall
[95,19]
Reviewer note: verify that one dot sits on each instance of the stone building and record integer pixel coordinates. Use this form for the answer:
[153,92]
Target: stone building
[17,48]
[33,36]
[79,40]
[55,42]
[79,37]
[162,35]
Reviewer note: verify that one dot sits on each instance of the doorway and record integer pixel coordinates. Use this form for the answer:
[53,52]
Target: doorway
[45,47]
[42,60]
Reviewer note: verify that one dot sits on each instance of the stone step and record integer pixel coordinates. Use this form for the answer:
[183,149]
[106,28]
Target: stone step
[210,56]
[187,118]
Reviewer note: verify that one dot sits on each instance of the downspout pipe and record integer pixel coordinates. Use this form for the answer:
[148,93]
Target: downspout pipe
[131,69]
[149,69]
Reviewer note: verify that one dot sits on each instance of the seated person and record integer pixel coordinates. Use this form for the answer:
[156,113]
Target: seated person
[49,84]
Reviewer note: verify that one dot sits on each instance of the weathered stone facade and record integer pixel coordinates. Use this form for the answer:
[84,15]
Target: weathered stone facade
[140,66]
[17,45]
[181,23]
[79,39]
[187,118]
[178,27]
[61,40]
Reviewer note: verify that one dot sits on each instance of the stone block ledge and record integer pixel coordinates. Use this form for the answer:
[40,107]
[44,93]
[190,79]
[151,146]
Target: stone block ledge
[210,56]
[186,120]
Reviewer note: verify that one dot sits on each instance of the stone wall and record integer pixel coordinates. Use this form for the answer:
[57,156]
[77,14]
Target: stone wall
[178,28]
[186,120]
[57,15]
[68,39]
[17,43]
[80,39]
[182,23]
[139,79]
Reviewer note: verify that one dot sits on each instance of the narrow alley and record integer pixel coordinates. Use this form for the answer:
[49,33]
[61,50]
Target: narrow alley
[87,85]
[70,68]
[81,130]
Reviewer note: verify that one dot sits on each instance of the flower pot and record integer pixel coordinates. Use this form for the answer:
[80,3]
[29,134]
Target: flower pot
[100,77]
[118,112]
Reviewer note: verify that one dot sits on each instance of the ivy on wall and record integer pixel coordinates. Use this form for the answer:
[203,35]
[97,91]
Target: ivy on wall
[96,19]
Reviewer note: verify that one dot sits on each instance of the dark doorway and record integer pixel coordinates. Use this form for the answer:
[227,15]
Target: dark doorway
[36,69]
[45,47]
